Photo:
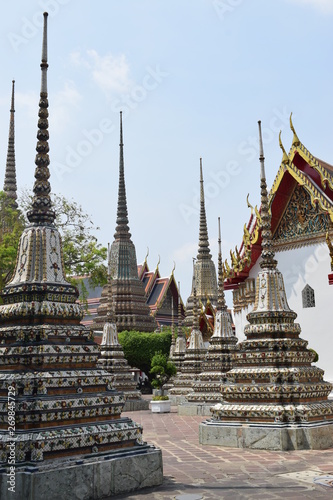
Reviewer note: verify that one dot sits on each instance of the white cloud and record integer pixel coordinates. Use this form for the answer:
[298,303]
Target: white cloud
[325,6]
[111,73]
[62,104]
[185,253]
[29,102]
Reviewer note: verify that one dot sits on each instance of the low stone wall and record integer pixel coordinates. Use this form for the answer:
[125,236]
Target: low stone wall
[190,409]
[136,405]
[283,437]
[87,478]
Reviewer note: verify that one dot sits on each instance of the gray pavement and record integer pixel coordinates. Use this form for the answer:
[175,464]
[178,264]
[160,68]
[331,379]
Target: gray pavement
[194,472]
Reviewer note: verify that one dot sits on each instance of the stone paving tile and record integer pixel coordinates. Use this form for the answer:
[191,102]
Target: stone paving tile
[213,472]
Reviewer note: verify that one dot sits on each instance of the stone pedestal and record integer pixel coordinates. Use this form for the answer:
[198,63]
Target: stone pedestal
[88,478]
[275,436]
[191,409]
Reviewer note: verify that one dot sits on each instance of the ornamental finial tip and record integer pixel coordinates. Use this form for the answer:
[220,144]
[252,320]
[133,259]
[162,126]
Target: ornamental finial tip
[285,159]
[296,140]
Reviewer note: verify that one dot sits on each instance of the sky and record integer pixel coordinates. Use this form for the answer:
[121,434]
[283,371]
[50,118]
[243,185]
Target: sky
[192,78]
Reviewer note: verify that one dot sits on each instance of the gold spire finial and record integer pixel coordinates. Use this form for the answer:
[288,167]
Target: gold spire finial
[147,255]
[296,140]
[285,159]
[173,269]
[158,263]
[249,204]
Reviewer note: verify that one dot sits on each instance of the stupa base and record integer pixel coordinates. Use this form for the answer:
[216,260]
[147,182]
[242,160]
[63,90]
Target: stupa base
[177,399]
[190,409]
[274,436]
[136,405]
[86,477]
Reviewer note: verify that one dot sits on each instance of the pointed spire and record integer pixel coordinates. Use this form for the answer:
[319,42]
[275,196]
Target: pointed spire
[267,253]
[10,187]
[203,251]
[221,304]
[41,212]
[110,309]
[193,275]
[122,228]
[296,140]
[173,337]
[285,159]
[195,310]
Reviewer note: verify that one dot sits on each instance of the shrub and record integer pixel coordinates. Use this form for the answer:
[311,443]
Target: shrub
[139,347]
[160,398]
[162,369]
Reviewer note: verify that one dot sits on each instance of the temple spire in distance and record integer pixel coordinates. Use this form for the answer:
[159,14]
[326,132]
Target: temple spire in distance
[122,228]
[267,253]
[10,186]
[221,304]
[41,212]
[203,232]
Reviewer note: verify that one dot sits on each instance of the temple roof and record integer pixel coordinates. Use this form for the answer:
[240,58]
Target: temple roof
[299,170]
[157,287]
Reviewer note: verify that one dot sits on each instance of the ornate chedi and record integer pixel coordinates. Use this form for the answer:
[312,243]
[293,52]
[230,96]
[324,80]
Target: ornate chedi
[177,354]
[131,310]
[10,187]
[274,398]
[204,268]
[113,361]
[191,366]
[60,418]
[173,335]
[207,388]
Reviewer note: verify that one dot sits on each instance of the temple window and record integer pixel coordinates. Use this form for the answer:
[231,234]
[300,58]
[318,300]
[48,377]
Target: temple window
[308,297]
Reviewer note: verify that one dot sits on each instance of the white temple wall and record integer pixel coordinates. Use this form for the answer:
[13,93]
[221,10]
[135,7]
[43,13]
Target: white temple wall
[308,265]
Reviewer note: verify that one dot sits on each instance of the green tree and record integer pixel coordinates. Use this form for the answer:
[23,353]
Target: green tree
[83,255]
[139,348]
[11,227]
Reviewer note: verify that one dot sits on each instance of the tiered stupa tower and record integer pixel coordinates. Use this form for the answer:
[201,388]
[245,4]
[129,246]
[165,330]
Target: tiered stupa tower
[191,366]
[64,416]
[10,187]
[131,310]
[204,274]
[274,398]
[178,353]
[218,361]
[113,360]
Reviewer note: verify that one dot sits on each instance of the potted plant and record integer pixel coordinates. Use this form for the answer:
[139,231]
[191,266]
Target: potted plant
[162,369]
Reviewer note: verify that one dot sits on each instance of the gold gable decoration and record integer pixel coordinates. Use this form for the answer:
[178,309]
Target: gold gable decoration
[301,221]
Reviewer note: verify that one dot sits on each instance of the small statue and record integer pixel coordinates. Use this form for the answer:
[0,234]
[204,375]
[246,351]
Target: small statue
[330,248]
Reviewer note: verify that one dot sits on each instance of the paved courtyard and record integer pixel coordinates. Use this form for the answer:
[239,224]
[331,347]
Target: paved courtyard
[194,472]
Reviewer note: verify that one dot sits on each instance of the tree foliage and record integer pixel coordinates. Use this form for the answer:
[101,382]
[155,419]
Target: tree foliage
[11,227]
[162,369]
[139,348]
[83,255]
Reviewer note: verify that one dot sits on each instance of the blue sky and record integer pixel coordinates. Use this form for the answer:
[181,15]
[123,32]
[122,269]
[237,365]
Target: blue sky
[192,77]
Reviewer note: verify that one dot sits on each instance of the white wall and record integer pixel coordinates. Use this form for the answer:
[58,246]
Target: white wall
[301,266]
